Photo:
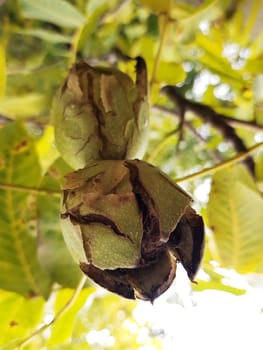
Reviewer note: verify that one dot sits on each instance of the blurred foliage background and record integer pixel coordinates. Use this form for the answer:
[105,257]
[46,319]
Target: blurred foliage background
[209,53]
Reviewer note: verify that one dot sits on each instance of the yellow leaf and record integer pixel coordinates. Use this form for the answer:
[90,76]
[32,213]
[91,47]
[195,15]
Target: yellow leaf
[23,106]
[2,71]
[170,73]
[61,331]
[46,149]
[157,6]
[234,214]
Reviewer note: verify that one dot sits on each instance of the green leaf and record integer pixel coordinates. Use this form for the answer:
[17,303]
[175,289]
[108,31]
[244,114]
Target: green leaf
[87,30]
[167,73]
[189,17]
[47,35]
[212,58]
[46,149]
[252,16]
[170,73]
[2,71]
[95,9]
[254,65]
[23,106]
[259,168]
[157,5]
[217,283]
[234,214]
[59,12]
[216,279]
[62,329]
[52,251]
[260,268]
[20,269]
[214,48]
[258,88]
[18,315]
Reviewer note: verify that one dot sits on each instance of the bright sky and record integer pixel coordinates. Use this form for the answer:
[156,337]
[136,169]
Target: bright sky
[208,320]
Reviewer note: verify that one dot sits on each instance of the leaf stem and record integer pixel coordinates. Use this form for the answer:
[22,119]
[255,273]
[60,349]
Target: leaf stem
[220,166]
[164,31]
[34,190]
[209,116]
[60,313]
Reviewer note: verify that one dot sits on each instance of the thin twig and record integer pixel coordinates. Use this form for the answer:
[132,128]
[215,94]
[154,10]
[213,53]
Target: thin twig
[33,190]
[60,313]
[208,115]
[113,12]
[164,32]
[214,153]
[158,55]
[221,165]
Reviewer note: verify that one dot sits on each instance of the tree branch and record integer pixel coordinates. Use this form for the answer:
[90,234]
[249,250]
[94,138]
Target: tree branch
[209,116]
[231,121]
[221,165]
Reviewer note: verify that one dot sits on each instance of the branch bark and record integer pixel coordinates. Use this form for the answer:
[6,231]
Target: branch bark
[231,121]
[209,116]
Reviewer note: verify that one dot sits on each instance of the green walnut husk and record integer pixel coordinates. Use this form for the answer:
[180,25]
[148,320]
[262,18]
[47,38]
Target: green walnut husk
[127,224]
[100,113]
